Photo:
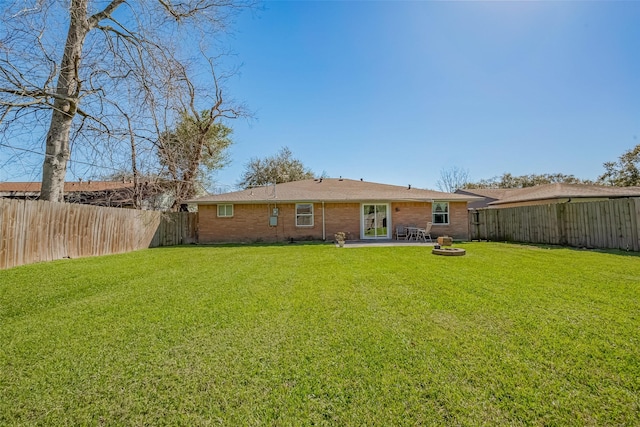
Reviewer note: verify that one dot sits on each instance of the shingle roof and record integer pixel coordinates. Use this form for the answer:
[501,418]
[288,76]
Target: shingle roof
[562,191]
[330,189]
[85,186]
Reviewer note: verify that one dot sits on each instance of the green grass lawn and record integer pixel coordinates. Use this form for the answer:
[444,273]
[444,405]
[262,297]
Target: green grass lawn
[317,335]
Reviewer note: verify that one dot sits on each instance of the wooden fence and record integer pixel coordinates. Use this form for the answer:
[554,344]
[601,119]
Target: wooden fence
[176,228]
[611,224]
[34,231]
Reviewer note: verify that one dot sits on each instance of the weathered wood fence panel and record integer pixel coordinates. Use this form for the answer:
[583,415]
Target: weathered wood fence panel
[176,228]
[610,224]
[34,231]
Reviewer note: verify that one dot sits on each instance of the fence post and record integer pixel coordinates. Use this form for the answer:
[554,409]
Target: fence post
[635,213]
[562,226]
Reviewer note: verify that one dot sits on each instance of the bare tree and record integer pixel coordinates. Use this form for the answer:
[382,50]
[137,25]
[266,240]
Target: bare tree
[452,179]
[112,81]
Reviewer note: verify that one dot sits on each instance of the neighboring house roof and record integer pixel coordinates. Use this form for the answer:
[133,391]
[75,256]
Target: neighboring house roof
[564,191]
[503,196]
[487,195]
[97,193]
[69,187]
[330,190]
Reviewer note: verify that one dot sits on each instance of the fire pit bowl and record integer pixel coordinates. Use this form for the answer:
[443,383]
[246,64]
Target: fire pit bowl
[448,251]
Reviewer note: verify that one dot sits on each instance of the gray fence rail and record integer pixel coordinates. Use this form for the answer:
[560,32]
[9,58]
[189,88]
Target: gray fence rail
[611,224]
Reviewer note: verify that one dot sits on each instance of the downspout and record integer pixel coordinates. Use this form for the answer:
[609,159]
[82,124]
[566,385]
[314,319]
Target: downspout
[324,232]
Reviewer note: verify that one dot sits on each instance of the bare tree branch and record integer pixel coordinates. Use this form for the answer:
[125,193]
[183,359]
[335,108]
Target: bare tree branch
[452,179]
[109,77]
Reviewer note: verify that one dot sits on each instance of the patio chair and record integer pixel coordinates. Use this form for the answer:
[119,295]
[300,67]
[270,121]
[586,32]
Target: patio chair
[401,233]
[425,233]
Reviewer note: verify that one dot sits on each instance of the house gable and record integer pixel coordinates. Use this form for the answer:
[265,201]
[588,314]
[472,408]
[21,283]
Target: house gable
[330,190]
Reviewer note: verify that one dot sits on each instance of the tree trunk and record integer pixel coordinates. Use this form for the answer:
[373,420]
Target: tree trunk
[65,106]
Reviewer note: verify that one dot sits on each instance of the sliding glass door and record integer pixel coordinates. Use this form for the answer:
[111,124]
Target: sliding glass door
[375,218]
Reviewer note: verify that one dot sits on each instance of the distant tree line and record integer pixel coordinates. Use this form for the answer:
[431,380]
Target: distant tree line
[456,178]
[508,180]
[276,169]
[625,172]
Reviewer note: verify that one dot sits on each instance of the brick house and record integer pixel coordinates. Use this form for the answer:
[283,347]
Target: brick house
[316,209]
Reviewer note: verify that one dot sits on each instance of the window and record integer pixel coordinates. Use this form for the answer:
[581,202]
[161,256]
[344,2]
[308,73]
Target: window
[225,210]
[304,214]
[441,212]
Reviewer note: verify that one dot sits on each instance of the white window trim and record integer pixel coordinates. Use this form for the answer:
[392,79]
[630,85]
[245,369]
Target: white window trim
[448,214]
[304,215]
[226,205]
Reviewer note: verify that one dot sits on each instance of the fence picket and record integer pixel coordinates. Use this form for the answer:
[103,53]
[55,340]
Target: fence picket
[34,231]
[612,224]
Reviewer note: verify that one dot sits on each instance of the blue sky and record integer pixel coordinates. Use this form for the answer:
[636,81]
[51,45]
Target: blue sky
[395,92]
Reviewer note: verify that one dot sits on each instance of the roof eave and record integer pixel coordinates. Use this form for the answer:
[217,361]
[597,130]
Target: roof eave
[537,199]
[336,200]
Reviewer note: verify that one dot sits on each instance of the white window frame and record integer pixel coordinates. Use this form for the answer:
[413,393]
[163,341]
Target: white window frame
[364,224]
[225,214]
[446,213]
[304,215]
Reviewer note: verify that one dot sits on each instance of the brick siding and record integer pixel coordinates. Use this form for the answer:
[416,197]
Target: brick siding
[250,222]
[418,214]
